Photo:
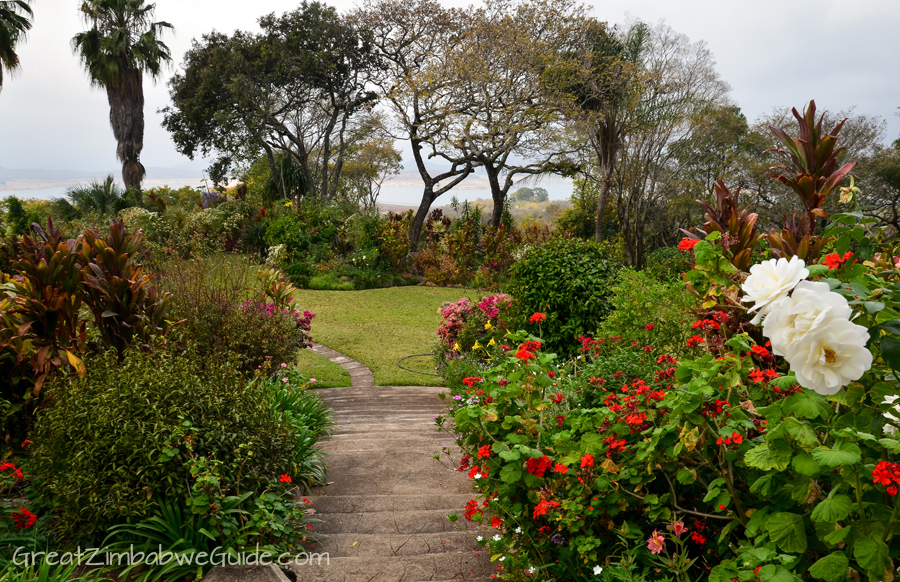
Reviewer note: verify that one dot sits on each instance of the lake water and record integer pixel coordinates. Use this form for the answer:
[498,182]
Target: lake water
[403,195]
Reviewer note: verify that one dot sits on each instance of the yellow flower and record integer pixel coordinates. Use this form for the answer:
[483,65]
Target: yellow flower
[492,342]
[476,346]
[456,346]
[488,325]
[288,203]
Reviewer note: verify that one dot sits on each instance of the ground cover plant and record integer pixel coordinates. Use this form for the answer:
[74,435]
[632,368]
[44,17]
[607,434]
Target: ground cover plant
[762,449]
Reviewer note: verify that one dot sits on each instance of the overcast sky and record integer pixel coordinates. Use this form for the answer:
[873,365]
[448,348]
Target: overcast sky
[772,53]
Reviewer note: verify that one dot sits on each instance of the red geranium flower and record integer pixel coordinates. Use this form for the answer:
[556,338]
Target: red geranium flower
[538,466]
[24,519]
[484,451]
[496,522]
[557,398]
[284,479]
[587,461]
[834,260]
[687,244]
[537,317]
[695,340]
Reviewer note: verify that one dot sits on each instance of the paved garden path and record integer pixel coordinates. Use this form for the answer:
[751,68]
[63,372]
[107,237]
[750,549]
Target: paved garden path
[384,512]
[360,375]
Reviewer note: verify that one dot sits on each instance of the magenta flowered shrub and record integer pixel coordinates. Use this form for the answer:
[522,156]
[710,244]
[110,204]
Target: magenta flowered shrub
[303,320]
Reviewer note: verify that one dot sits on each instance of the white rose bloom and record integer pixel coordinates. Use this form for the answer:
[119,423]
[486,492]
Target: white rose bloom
[808,308]
[770,282]
[829,357]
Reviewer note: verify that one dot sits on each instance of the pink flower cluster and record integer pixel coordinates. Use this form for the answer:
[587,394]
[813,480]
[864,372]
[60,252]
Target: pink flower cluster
[454,315]
[490,306]
[303,320]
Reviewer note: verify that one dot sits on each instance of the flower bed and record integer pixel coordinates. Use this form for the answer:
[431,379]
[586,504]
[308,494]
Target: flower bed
[766,453]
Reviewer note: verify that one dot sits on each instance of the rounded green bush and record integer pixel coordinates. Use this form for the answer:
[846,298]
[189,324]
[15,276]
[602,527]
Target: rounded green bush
[109,447]
[568,280]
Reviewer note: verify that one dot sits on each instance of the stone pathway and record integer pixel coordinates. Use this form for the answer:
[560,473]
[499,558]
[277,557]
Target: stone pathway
[360,375]
[385,510]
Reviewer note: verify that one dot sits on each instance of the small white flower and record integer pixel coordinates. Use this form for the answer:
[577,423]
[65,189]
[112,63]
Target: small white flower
[808,308]
[518,530]
[597,570]
[479,538]
[502,558]
[496,538]
[770,282]
[888,429]
[477,476]
[531,570]
[828,358]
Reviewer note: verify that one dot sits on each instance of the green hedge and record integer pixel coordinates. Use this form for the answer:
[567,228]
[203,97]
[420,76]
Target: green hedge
[569,280]
[110,447]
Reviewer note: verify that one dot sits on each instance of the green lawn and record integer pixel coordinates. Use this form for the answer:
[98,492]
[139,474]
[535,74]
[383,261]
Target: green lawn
[327,373]
[379,326]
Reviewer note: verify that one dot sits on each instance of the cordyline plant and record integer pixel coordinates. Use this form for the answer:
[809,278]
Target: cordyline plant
[127,309]
[812,158]
[41,329]
[40,311]
[738,226]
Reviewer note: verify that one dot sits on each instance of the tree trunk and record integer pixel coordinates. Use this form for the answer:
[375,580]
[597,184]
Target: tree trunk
[607,148]
[601,209]
[415,229]
[497,194]
[126,116]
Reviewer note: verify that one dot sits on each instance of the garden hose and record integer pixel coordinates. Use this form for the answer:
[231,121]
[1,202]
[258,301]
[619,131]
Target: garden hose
[414,371]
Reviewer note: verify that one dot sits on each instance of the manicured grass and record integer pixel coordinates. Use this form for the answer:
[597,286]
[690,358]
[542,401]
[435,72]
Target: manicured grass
[327,373]
[379,326]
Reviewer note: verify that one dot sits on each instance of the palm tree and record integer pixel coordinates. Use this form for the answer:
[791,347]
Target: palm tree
[103,199]
[611,97]
[122,43]
[15,21]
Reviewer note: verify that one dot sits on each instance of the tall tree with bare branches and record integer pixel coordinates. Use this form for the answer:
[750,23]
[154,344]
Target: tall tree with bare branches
[512,127]
[415,41]
[121,44]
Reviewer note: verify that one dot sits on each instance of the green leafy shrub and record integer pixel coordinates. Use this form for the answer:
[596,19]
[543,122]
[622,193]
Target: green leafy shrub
[570,281]
[648,311]
[113,443]
[329,282]
[221,314]
[667,264]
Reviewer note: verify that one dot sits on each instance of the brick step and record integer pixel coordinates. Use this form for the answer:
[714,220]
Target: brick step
[419,521]
[449,566]
[332,504]
[379,545]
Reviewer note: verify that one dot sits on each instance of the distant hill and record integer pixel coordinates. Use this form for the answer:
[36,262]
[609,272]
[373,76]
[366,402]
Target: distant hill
[42,178]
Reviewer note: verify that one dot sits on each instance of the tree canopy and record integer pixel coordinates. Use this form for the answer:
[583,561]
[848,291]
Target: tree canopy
[293,89]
